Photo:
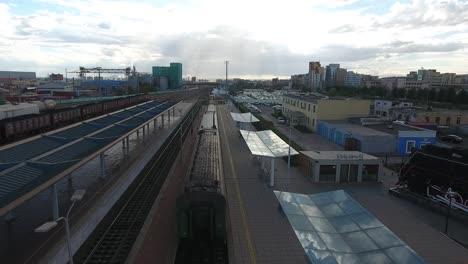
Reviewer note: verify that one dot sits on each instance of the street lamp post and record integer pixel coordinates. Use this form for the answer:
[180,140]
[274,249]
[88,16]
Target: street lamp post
[47,226]
[450,194]
[289,158]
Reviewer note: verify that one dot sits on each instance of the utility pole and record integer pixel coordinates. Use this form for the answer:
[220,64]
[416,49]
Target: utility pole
[227,63]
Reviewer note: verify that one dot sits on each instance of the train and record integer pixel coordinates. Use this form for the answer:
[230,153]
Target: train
[201,209]
[12,129]
[434,170]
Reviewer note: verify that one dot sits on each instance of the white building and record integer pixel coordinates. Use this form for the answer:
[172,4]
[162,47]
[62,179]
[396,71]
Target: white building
[382,107]
[342,166]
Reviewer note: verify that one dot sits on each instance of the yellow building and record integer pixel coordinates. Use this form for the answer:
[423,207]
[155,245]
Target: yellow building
[447,118]
[307,110]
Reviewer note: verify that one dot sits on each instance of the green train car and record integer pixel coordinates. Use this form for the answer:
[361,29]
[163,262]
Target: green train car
[201,210]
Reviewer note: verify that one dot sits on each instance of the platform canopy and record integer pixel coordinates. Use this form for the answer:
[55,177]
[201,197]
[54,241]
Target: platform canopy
[245,117]
[266,143]
[333,228]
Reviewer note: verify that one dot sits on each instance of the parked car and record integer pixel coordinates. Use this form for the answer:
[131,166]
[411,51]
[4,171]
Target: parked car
[452,138]
[281,120]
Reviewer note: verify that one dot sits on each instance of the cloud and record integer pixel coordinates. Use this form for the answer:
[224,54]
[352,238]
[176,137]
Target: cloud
[259,41]
[104,25]
[344,29]
[425,13]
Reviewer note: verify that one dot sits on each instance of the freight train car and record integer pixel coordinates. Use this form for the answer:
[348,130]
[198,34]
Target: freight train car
[201,209]
[436,169]
[12,129]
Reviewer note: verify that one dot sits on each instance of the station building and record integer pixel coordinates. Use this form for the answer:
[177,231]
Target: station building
[341,166]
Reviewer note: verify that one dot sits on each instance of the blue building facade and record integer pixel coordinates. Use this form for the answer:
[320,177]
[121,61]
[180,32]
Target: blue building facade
[378,139]
[414,139]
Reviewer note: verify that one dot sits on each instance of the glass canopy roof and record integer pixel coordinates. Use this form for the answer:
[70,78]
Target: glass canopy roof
[333,228]
[245,117]
[266,143]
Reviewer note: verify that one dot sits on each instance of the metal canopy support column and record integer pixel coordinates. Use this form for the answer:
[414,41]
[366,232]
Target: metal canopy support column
[338,172]
[359,173]
[162,120]
[54,200]
[103,164]
[144,130]
[169,116]
[128,145]
[138,134]
[272,172]
[9,218]
[155,121]
[123,146]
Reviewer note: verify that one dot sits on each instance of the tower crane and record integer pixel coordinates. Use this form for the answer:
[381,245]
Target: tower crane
[82,71]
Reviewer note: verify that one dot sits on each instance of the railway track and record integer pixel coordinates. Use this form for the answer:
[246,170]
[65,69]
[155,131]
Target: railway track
[115,235]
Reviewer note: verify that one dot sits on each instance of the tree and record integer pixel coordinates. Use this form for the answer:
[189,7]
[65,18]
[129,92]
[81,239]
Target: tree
[422,94]
[333,92]
[411,94]
[401,93]
[432,94]
[441,95]
[394,92]
[461,97]
[450,95]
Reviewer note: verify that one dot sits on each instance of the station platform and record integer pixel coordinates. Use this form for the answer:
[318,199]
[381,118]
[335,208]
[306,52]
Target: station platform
[122,172]
[261,233]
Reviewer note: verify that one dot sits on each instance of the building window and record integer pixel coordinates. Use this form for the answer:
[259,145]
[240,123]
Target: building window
[313,122]
[377,112]
[410,144]
[427,119]
[309,108]
[447,121]
[424,144]
[458,120]
[327,173]
[437,120]
[314,109]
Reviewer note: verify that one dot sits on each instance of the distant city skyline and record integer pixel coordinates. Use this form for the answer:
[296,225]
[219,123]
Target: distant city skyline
[261,39]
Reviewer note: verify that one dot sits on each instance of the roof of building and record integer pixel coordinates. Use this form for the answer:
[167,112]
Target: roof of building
[394,128]
[355,129]
[53,85]
[104,83]
[338,155]
[307,98]
[25,166]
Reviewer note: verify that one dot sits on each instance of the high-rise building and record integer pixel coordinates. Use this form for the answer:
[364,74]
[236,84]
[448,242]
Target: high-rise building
[330,76]
[340,77]
[316,76]
[353,79]
[168,77]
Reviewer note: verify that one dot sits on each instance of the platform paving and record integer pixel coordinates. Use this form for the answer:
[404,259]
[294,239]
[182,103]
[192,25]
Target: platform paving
[273,240]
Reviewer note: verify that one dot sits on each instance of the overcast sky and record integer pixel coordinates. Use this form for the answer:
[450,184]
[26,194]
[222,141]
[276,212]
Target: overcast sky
[260,38]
